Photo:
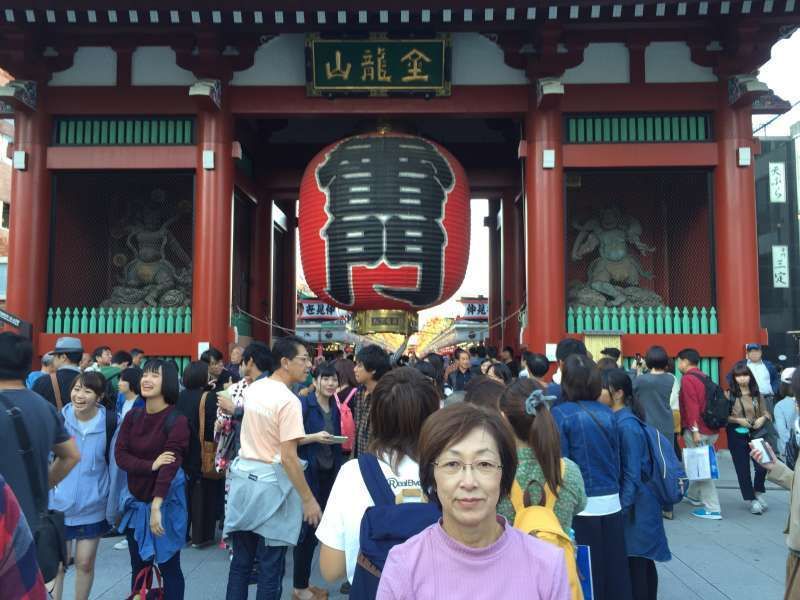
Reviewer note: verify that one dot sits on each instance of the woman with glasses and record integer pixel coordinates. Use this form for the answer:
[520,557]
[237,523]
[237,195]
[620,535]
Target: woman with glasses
[467,462]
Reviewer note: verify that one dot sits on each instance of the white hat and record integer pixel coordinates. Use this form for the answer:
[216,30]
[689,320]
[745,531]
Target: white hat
[786,375]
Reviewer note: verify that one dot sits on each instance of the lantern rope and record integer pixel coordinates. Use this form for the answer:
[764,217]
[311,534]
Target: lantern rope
[269,322]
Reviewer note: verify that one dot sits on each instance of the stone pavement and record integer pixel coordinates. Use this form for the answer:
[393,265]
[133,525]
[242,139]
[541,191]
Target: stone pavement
[739,558]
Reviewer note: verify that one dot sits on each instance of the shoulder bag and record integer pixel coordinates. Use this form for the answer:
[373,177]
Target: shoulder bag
[51,545]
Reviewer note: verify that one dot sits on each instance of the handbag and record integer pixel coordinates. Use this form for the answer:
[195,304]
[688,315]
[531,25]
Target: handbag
[208,450]
[767,432]
[49,536]
[143,585]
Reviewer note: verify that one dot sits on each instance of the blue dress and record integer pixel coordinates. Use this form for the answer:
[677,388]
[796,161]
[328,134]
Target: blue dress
[644,527]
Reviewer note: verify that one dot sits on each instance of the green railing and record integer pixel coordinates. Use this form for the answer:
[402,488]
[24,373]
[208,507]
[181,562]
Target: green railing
[132,131]
[709,366]
[119,320]
[660,320]
[627,128]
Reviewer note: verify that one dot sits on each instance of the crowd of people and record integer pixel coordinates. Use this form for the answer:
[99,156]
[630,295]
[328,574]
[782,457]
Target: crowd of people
[425,477]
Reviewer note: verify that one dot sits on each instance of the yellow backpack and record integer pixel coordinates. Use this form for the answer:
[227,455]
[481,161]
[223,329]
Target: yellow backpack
[541,522]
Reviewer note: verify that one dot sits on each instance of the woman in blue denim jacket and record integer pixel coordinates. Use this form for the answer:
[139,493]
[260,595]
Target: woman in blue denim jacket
[589,437]
[321,420]
[645,539]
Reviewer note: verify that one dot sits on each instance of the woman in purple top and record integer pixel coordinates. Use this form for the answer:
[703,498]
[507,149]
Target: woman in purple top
[467,463]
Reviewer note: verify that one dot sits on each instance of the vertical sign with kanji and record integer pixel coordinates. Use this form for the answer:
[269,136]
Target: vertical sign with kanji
[377,66]
[780,266]
[777,182]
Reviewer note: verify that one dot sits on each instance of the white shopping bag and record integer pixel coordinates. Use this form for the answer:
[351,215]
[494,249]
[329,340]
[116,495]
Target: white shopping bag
[700,463]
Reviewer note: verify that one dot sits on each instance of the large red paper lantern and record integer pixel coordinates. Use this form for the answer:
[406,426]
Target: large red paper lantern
[384,223]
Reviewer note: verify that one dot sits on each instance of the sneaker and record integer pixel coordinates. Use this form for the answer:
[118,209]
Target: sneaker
[762,499]
[756,508]
[693,501]
[121,545]
[704,513]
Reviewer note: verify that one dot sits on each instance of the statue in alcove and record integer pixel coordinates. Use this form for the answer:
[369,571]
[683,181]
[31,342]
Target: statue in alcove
[149,278]
[614,275]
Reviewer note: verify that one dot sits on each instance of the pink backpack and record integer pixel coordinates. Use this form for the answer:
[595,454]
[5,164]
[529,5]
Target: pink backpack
[348,424]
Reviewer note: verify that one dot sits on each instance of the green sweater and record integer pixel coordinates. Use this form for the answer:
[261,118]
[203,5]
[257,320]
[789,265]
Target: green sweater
[571,495]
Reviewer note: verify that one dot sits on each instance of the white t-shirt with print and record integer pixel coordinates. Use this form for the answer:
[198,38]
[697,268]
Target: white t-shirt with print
[349,499]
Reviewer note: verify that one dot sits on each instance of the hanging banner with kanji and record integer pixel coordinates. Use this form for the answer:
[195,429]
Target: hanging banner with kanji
[377,66]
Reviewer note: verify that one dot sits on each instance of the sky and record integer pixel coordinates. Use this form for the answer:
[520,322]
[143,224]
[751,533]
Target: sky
[780,74]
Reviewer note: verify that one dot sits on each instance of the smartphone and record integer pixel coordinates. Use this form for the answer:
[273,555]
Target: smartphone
[339,439]
[758,444]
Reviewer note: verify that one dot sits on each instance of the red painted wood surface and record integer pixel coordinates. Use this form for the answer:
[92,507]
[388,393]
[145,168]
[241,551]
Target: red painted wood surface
[735,232]
[172,344]
[546,301]
[29,229]
[211,293]
[640,155]
[63,158]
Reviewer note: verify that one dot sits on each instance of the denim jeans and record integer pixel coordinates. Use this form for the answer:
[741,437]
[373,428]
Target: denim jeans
[247,546]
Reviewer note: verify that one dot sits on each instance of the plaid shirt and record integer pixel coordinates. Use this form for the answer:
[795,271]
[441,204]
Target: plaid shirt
[363,425]
[20,577]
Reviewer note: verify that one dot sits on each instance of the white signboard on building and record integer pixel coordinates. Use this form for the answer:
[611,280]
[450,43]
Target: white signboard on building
[780,266]
[777,182]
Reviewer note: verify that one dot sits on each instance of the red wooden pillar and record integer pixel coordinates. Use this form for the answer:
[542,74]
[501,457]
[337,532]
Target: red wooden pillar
[736,241]
[495,291]
[290,254]
[211,293]
[261,268]
[29,229]
[512,261]
[544,190]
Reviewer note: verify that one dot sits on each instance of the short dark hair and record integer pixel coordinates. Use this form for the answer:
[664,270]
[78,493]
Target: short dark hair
[16,353]
[195,376]
[580,378]
[502,371]
[375,360]
[459,352]
[136,352]
[481,351]
[169,378]
[401,401]
[346,370]
[452,424]
[656,358]
[95,381]
[285,347]
[211,353]
[326,369]
[690,354]
[614,353]
[508,349]
[133,377]
[73,357]
[121,356]
[618,380]
[99,351]
[473,351]
[568,347]
[261,355]
[606,363]
[482,391]
[537,364]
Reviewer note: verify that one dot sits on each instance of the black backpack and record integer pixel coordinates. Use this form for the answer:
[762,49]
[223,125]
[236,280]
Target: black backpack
[718,407]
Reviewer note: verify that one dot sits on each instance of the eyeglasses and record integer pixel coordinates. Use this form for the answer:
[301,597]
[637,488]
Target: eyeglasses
[482,468]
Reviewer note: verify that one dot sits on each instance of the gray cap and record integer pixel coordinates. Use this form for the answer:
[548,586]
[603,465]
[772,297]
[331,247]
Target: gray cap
[47,359]
[67,344]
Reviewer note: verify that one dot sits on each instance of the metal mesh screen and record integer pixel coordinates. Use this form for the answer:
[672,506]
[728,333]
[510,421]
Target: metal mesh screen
[666,210]
[111,229]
